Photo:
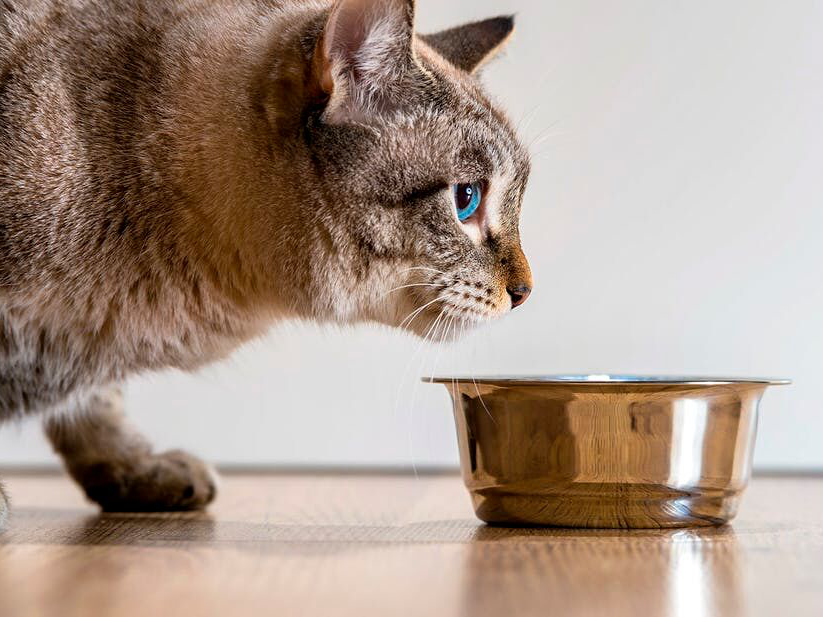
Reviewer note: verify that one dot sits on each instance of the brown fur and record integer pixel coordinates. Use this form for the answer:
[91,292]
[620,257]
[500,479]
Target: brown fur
[177,175]
[4,508]
[115,465]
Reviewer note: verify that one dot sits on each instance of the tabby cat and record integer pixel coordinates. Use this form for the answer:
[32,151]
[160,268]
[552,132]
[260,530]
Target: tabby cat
[176,175]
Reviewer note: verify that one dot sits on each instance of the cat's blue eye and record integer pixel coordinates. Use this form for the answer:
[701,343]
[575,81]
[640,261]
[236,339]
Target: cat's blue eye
[467,199]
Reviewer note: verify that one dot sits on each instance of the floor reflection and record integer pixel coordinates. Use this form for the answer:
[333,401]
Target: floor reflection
[703,576]
[682,573]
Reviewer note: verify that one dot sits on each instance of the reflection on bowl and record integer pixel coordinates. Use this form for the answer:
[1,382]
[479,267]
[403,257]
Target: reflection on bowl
[606,451]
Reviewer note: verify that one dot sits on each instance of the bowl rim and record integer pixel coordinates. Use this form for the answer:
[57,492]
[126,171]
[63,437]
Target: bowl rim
[606,379]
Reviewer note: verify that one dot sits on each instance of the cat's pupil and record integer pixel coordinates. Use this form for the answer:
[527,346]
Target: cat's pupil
[467,198]
[465,194]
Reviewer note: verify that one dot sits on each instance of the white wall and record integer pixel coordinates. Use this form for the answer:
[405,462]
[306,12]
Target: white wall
[674,222]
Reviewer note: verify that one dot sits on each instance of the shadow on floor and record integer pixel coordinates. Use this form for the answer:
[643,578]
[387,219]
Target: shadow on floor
[37,526]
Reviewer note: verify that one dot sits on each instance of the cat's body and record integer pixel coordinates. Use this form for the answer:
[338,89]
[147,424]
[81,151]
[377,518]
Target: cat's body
[176,175]
[110,252]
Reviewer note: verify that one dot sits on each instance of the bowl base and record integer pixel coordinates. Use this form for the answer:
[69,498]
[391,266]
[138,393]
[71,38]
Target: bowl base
[607,506]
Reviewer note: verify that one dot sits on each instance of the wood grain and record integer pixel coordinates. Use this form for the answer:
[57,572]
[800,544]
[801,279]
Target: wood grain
[395,545]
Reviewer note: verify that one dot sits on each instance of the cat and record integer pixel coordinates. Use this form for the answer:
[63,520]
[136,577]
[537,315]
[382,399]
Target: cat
[178,175]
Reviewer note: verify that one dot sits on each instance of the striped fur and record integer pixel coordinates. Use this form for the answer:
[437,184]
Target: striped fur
[177,175]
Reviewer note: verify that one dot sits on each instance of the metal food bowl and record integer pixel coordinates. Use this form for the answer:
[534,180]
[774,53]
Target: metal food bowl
[604,451]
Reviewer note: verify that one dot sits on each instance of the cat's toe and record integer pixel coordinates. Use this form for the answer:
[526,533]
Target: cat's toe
[170,481]
[177,480]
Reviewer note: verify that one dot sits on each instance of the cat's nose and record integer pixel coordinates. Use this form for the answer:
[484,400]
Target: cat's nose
[518,294]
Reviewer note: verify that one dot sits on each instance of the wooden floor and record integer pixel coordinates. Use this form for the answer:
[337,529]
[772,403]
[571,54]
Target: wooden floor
[395,545]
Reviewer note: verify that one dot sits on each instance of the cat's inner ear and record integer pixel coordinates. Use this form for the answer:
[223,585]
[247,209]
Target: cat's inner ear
[362,55]
[469,47]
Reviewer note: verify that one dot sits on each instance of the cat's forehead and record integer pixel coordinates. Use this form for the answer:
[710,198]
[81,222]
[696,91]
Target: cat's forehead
[456,142]
[459,102]
[447,114]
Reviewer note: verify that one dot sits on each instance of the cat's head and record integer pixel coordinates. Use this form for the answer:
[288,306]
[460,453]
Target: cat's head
[416,177]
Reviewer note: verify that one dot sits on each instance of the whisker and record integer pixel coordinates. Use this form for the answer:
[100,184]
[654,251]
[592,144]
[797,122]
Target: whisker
[424,268]
[432,329]
[547,128]
[526,119]
[413,315]
[482,402]
[447,322]
[421,347]
[410,285]
[477,389]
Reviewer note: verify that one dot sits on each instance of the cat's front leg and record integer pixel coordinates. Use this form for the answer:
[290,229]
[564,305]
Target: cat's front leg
[115,464]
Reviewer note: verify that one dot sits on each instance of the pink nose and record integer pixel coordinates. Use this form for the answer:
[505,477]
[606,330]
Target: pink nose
[519,294]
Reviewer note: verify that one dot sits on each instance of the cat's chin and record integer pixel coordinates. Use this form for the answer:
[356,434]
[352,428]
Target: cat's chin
[443,328]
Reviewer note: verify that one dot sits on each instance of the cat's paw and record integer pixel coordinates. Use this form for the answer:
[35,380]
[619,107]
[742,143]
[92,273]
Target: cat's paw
[170,481]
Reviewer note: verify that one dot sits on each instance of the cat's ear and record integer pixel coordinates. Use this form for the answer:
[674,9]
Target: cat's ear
[470,46]
[361,56]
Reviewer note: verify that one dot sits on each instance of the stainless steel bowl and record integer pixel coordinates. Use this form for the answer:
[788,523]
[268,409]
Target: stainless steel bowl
[606,451]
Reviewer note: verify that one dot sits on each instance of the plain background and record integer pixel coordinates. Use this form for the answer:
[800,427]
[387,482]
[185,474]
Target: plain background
[673,222]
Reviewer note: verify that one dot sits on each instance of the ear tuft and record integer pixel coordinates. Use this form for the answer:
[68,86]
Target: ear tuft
[470,46]
[365,48]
